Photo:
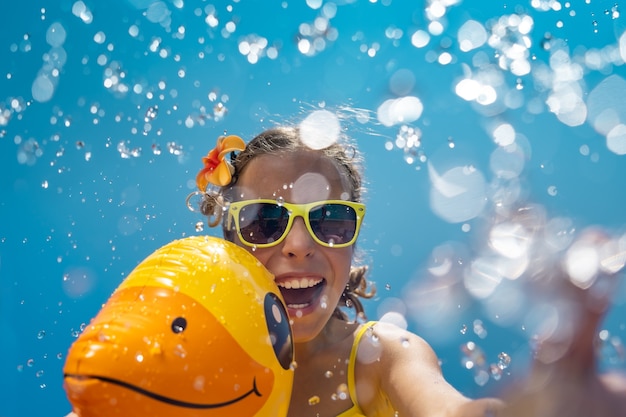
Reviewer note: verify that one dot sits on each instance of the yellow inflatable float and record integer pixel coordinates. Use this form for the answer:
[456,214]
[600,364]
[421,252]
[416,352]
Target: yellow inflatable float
[197,329]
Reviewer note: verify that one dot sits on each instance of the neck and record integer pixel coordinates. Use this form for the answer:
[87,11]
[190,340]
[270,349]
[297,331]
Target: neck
[335,332]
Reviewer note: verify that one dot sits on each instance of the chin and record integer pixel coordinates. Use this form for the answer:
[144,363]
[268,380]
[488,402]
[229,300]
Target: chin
[306,330]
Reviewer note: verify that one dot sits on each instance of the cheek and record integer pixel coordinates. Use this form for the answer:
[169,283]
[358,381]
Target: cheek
[342,261]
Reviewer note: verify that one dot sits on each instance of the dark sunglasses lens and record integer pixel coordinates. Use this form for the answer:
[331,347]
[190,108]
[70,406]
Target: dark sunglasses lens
[333,223]
[262,223]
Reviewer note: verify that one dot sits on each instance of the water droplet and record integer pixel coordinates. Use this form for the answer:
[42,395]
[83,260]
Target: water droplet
[495,371]
[151,113]
[615,12]
[219,111]
[314,400]
[342,392]
[180,351]
[41,334]
[473,355]
[174,148]
[481,377]
[198,383]
[479,329]
[504,360]
[328,374]
[552,190]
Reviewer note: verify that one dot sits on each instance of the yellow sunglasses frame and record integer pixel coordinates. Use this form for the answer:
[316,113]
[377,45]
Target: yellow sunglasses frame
[295,210]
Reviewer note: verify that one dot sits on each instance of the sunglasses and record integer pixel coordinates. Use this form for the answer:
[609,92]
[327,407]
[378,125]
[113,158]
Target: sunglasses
[265,223]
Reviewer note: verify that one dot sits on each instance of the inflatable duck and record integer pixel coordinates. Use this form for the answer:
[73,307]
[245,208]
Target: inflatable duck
[197,329]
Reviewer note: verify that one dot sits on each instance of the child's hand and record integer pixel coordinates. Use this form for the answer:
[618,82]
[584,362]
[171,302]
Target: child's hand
[564,379]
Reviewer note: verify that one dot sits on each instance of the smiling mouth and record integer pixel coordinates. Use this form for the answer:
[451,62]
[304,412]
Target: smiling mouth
[302,292]
[164,399]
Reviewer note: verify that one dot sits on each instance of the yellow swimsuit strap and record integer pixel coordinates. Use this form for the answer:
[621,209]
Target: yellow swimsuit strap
[352,364]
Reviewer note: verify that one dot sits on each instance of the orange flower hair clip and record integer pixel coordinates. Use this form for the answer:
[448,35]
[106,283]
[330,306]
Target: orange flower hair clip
[217,170]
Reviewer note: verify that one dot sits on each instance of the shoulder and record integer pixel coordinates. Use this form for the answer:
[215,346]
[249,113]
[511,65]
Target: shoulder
[390,350]
[398,342]
[392,332]
[403,366]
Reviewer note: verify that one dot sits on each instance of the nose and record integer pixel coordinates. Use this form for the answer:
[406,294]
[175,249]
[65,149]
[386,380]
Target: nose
[298,242]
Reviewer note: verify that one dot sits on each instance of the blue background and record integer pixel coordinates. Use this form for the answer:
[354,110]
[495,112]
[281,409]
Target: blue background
[76,217]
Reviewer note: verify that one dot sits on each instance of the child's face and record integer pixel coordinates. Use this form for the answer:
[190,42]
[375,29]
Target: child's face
[320,272]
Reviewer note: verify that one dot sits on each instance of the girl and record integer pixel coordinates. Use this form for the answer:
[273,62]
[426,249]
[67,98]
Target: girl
[299,210]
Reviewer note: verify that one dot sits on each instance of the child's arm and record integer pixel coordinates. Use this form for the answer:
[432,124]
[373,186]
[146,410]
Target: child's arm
[564,379]
[408,372]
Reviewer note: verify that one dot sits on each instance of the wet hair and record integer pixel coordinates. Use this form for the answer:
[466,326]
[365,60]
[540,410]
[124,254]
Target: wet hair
[287,139]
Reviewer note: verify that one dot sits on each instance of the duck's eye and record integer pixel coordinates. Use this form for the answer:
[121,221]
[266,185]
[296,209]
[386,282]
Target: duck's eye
[279,329]
[179,325]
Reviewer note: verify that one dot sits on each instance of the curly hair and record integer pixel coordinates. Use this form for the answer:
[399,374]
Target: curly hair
[287,139]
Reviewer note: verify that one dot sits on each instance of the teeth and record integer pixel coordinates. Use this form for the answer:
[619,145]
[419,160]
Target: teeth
[294,306]
[298,283]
